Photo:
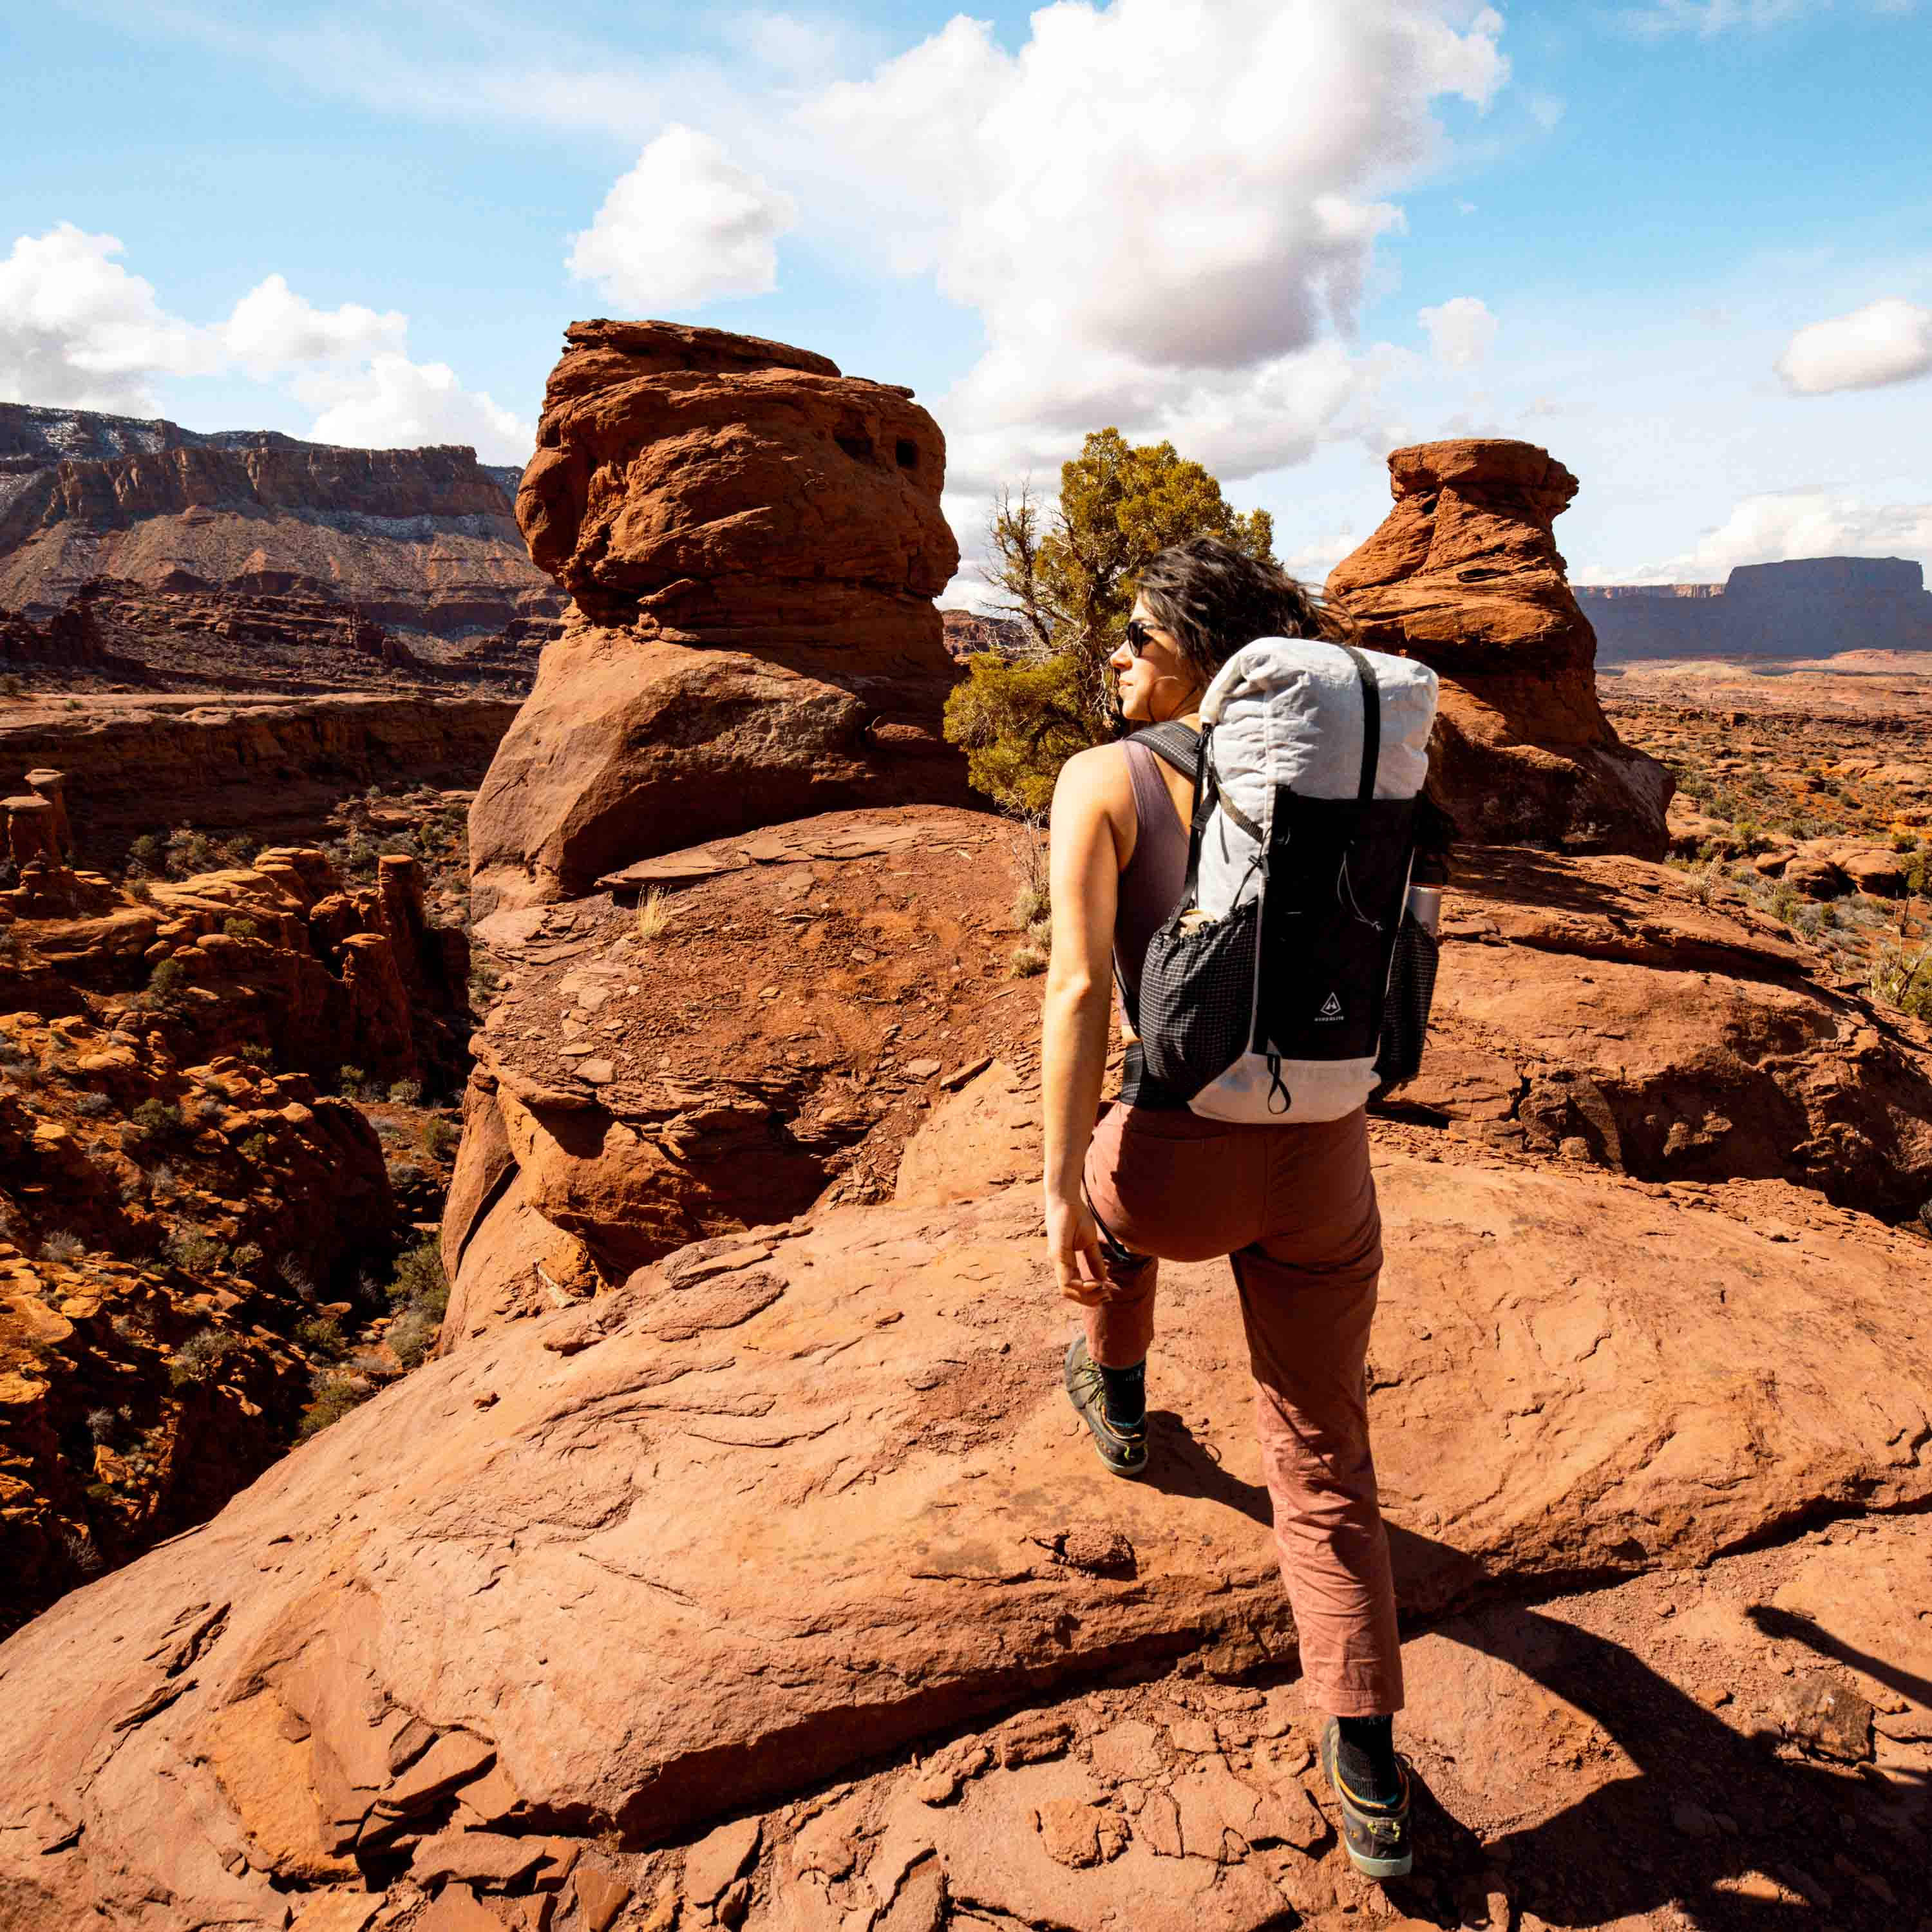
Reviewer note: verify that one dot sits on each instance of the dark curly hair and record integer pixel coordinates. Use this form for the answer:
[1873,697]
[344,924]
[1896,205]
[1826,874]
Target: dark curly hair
[1211,599]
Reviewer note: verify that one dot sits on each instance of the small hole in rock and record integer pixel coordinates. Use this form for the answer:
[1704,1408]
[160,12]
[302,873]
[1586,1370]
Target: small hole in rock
[907,453]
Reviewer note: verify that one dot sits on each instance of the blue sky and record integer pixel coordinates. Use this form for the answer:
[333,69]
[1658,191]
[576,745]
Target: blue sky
[1685,244]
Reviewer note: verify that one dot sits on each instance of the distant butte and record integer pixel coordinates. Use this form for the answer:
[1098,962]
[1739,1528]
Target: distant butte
[1814,606]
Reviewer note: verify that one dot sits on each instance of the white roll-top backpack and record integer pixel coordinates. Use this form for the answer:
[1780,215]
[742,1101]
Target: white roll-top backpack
[1264,994]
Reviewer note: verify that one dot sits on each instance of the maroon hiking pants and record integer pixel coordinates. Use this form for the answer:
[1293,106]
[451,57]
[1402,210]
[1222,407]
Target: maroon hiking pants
[1294,1206]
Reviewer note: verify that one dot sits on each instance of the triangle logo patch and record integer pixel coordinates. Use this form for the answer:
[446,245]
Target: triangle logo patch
[1331,1009]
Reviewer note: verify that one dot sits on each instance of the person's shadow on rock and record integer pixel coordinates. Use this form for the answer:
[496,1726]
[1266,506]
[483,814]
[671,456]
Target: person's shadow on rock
[1705,1807]
[1179,1464]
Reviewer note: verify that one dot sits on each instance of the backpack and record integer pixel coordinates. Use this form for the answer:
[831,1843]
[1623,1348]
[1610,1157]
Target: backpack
[1263,995]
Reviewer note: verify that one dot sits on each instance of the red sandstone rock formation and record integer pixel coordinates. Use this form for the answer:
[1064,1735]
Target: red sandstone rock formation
[1464,573]
[754,542]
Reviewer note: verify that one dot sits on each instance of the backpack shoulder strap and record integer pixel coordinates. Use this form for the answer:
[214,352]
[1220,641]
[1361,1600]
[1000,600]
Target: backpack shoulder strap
[1372,722]
[1174,743]
[1184,748]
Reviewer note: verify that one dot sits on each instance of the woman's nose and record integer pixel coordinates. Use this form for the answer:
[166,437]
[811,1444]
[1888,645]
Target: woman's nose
[1122,657]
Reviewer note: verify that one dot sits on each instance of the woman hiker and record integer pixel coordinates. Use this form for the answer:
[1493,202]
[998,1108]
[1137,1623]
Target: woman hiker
[1292,1204]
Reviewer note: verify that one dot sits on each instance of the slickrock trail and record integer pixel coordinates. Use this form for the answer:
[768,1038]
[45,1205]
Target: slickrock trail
[738,1561]
[781,1508]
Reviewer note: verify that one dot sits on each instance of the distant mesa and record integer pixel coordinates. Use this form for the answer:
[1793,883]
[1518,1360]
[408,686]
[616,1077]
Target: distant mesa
[1812,607]
[421,539]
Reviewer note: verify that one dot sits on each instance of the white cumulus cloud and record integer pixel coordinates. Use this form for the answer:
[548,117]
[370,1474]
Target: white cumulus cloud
[78,332]
[395,404]
[1164,212]
[1887,341]
[272,328]
[684,226]
[1461,331]
[1778,526]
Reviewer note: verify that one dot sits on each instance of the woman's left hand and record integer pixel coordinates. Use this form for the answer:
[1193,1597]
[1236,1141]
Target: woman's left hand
[1072,1237]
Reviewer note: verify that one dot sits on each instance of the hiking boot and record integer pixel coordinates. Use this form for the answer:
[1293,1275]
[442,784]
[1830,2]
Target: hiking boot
[1123,1450]
[1376,1837]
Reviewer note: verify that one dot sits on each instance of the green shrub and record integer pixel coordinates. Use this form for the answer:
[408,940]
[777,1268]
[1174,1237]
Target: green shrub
[167,980]
[407,1172]
[93,1104]
[1028,961]
[419,1281]
[412,1334]
[406,1092]
[321,1335]
[246,1256]
[1904,979]
[62,1246]
[1785,901]
[188,1248]
[189,852]
[332,1397]
[157,1119]
[351,1081]
[1018,724]
[256,1053]
[237,927]
[149,852]
[439,1137]
[199,1358]
[257,1148]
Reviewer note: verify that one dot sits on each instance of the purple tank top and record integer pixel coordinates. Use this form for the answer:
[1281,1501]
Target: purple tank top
[1150,882]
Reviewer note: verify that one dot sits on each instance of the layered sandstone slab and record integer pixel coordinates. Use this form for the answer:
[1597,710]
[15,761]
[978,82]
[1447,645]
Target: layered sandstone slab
[753,542]
[1465,574]
[772,1509]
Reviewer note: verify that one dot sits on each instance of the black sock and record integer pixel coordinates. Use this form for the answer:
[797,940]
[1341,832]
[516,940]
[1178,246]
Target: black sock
[1365,1758]
[1124,1394]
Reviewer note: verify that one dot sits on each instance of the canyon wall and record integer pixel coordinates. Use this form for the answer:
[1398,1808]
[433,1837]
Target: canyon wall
[271,767]
[1810,607]
[421,539]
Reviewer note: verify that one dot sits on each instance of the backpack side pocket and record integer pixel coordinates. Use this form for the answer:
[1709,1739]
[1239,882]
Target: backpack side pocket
[1197,996]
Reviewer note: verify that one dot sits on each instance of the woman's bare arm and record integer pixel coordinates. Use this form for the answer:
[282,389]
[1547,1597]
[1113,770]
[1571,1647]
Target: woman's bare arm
[1085,876]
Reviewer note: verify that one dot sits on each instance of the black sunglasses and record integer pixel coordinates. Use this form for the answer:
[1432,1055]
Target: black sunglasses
[1140,634]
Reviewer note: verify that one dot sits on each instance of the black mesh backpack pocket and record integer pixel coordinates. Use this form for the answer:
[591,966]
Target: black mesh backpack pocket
[1338,873]
[1411,991]
[1197,997]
